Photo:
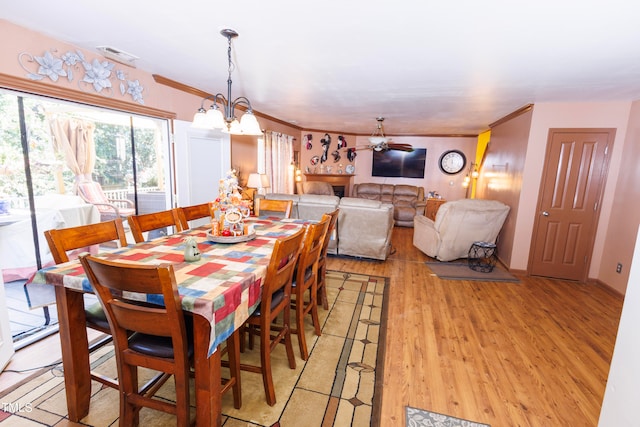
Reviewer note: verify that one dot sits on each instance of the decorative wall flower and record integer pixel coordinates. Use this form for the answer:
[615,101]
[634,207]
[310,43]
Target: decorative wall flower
[97,74]
[50,66]
[135,90]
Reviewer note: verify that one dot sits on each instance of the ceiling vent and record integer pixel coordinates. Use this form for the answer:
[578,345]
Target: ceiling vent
[118,55]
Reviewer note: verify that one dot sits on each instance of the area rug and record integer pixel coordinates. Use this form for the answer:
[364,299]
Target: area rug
[461,271]
[421,418]
[339,385]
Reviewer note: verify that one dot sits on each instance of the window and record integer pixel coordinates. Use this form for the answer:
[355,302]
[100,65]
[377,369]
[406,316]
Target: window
[47,148]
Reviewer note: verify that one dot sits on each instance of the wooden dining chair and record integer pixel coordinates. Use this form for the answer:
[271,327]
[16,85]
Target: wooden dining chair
[64,240]
[193,212]
[284,207]
[153,221]
[275,304]
[151,336]
[322,262]
[305,282]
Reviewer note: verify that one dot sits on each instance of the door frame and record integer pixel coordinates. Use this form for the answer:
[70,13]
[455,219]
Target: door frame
[603,182]
[6,341]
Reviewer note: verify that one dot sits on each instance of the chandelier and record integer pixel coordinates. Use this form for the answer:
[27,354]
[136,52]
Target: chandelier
[214,117]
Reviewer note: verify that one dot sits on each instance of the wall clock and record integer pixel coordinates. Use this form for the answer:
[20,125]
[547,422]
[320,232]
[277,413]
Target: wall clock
[452,162]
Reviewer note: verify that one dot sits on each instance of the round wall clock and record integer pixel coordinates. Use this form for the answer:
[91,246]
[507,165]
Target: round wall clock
[452,162]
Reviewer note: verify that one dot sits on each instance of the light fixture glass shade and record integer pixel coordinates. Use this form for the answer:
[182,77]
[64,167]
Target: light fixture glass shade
[378,140]
[249,124]
[200,120]
[215,119]
[233,128]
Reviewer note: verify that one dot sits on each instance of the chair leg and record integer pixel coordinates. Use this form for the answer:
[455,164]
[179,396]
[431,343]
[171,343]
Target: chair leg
[287,336]
[129,414]
[302,339]
[265,364]
[314,316]
[321,295]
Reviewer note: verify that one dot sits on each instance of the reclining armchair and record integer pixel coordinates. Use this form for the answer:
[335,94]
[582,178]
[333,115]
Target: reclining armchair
[458,224]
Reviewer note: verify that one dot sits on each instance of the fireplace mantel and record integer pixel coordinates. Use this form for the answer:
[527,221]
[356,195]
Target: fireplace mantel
[341,181]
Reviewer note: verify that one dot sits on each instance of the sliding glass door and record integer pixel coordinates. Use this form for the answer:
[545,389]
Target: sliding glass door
[65,164]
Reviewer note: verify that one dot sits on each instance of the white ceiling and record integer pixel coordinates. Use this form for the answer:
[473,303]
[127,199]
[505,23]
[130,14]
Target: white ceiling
[427,67]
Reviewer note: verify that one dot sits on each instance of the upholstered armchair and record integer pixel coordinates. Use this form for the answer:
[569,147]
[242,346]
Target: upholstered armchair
[365,228]
[458,224]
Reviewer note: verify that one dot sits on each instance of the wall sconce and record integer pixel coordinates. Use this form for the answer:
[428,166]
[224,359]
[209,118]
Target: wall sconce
[472,174]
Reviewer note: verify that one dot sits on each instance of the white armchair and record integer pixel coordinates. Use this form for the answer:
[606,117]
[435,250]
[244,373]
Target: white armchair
[458,224]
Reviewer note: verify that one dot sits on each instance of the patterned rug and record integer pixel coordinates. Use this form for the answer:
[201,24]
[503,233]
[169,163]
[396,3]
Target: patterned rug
[421,418]
[461,271]
[339,385]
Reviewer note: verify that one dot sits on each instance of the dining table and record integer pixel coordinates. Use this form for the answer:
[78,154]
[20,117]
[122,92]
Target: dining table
[221,290]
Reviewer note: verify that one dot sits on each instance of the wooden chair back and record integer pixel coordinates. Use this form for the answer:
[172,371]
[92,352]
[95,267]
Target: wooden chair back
[275,303]
[322,262]
[67,239]
[269,205]
[145,335]
[306,281]
[153,221]
[193,212]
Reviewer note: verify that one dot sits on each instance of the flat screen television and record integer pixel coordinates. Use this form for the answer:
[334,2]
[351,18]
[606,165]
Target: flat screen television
[399,164]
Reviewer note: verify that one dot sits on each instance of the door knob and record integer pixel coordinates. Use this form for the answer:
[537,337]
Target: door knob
[545,213]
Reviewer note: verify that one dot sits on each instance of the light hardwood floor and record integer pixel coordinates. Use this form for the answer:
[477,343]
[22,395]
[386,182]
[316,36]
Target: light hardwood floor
[534,353]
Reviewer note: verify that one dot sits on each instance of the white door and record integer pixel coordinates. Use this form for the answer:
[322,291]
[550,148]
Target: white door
[6,341]
[202,157]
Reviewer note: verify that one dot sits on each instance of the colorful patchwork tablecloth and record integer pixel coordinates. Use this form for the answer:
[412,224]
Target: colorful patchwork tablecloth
[224,286]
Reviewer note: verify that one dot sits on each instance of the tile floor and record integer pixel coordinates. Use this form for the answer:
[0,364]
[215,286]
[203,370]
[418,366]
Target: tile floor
[25,321]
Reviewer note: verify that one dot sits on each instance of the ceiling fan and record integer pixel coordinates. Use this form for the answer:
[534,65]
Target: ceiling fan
[379,142]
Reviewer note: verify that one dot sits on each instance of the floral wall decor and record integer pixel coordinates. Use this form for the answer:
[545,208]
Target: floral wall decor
[99,75]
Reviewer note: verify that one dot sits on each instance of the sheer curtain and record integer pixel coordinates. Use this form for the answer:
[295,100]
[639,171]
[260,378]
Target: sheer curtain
[74,138]
[278,149]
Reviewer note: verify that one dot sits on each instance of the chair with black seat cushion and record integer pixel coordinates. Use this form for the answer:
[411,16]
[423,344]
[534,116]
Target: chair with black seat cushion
[64,240]
[275,304]
[305,282]
[153,221]
[151,336]
[268,206]
[192,213]
[322,262]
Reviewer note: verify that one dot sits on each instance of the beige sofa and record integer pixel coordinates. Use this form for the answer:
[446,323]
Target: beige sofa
[407,200]
[458,224]
[315,187]
[364,227]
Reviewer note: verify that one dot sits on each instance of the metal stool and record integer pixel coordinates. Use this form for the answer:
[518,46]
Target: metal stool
[482,256]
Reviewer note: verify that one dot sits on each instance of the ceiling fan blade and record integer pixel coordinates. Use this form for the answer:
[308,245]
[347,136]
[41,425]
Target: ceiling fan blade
[401,147]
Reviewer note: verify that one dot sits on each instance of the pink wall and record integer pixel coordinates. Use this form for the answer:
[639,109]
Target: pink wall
[448,186]
[567,115]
